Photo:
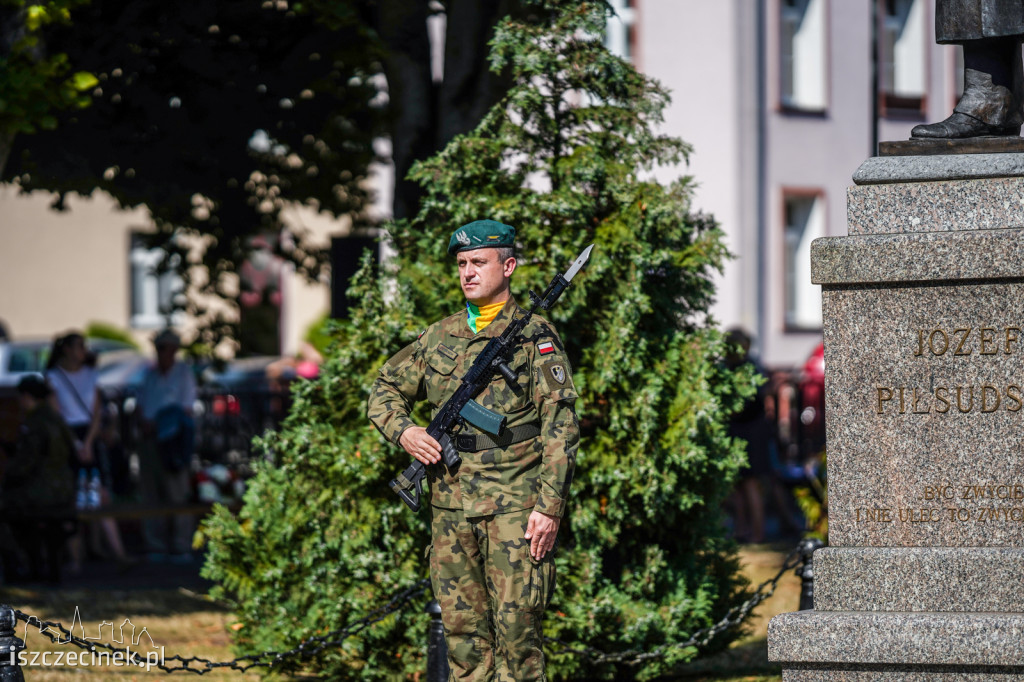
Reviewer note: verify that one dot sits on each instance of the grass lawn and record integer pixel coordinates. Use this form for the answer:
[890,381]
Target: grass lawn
[177,620]
[184,623]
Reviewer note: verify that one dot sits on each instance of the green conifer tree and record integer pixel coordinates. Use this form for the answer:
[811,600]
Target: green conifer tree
[567,158]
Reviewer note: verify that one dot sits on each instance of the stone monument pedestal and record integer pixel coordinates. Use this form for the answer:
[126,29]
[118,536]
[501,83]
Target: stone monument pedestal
[923,307]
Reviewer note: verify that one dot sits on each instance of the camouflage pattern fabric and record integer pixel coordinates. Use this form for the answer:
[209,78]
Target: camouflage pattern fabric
[532,474]
[39,474]
[492,595]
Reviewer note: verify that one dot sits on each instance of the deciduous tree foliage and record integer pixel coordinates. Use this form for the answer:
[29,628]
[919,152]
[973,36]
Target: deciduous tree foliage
[214,116]
[566,157]
[35,83]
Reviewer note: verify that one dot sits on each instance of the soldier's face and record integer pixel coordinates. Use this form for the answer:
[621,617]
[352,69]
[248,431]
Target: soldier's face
[484,277]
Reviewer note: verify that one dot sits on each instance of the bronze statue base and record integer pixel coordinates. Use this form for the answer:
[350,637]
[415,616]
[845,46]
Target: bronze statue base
[966,145]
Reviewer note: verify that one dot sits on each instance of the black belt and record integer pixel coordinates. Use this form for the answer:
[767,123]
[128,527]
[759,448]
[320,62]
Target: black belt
[484,441]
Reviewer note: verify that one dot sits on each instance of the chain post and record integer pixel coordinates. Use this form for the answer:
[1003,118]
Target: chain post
[10,647]
[437,647]
[807,548]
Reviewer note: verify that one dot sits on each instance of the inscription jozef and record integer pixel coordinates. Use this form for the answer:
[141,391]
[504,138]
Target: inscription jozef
[954,501]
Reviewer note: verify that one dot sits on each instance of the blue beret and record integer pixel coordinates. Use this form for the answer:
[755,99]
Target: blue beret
[481,234]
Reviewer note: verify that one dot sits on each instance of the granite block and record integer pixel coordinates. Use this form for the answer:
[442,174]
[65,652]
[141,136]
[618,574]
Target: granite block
[923,310]
[924,395]
[922,257]
[919,579]
[854,637]
[823,672]
[974,204]
[908,169]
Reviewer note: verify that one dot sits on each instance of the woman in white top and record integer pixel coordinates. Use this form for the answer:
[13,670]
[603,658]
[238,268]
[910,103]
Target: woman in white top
[74,383]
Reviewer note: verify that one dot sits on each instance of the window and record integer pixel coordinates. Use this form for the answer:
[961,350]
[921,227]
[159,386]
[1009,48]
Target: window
[902,45]
[620,31]
[802,55]
[152,293]
[804,222]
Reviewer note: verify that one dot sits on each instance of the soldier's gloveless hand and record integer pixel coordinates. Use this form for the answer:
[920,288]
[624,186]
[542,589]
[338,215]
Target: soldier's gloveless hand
[420,444]
[541,530]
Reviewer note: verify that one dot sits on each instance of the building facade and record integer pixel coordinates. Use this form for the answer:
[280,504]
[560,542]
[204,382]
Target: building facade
[782,100]
[67,270]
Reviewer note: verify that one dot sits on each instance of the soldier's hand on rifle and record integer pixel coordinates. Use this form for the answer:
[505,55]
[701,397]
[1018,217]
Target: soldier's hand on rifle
[420,444]
[541,530]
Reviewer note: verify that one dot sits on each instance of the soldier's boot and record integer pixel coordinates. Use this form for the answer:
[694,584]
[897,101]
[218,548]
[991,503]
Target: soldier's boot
[993,94]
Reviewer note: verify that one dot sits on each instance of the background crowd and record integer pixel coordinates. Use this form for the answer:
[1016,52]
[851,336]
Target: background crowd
[68,463]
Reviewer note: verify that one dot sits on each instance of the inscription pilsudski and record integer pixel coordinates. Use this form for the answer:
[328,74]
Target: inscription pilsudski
[940,342]
[960,502]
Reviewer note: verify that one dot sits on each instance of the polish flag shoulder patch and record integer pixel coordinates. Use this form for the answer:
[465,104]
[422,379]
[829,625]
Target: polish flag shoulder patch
[545,347]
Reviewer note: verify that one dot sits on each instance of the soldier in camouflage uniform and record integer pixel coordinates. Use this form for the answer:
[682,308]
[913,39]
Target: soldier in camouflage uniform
[39,490]
[495,520]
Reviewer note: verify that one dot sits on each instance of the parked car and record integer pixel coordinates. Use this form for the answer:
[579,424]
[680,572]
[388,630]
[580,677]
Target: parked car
[28,356]
[19,358]
[22,357]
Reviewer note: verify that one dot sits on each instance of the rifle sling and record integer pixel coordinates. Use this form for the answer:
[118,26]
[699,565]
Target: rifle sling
[484,441]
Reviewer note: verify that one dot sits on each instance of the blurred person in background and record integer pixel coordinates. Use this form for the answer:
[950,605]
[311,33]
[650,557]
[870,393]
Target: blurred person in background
[38,485]
[74,382]
[168,440]
[752,425]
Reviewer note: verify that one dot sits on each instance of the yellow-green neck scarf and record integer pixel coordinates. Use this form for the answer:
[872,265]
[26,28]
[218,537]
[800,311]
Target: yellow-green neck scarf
[480,317]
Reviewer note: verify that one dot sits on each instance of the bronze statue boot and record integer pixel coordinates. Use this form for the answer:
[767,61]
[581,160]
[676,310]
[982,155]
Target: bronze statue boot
[984,109]
[993,94]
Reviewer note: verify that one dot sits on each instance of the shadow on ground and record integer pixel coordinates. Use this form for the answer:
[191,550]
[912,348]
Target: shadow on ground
[146,588]
[747,661]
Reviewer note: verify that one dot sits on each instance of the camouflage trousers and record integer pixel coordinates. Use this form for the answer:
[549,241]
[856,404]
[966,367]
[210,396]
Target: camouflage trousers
[492,595]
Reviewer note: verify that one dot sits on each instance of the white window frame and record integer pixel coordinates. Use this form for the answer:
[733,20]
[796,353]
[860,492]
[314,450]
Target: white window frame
[151,295]
[620,29]
[803,62]
[801,298]
[903,64]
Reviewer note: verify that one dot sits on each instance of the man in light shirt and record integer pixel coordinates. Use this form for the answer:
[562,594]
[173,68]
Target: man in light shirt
[165,410]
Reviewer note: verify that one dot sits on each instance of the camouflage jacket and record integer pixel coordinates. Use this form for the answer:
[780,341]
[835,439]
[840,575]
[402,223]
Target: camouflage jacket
[532,474]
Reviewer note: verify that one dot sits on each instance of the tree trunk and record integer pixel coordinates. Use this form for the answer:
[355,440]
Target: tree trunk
[469,88]
[425,116]
[402,26]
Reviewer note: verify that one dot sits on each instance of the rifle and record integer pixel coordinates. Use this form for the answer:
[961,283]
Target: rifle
[461,409]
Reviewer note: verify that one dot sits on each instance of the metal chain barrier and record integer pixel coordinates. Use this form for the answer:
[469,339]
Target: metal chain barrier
[267,659]
[800,556]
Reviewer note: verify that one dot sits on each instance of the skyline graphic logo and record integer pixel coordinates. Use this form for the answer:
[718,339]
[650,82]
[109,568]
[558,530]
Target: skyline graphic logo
[148,658]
